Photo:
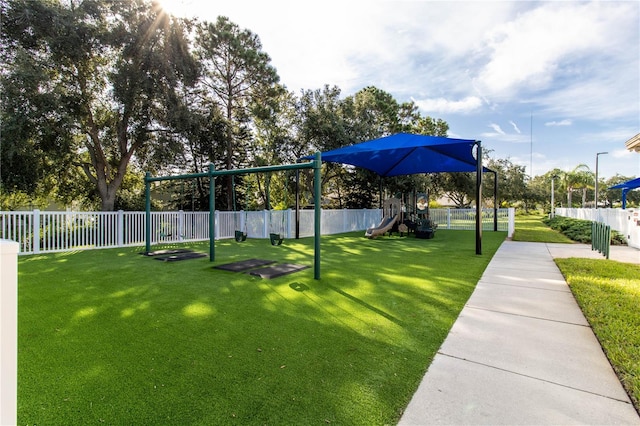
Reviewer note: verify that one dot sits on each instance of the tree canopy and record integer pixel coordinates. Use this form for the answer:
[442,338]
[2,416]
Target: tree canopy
[102,78]
[95,92]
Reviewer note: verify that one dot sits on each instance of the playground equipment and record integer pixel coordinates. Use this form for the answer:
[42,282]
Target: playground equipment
[240,235]
[426,228]
[276,236]
[315,164]
[422,224]
[391,212]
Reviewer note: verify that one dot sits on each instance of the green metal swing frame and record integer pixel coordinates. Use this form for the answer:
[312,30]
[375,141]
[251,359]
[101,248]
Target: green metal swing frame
[315,164]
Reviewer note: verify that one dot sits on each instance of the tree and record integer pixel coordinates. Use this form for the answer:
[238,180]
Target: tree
[237,76]
[460,187]
[111,69]
[578,178]
[324,124]
[374,114]
[512,181]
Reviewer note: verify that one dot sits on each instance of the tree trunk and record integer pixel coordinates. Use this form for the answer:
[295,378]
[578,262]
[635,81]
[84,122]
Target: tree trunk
[230,144]
[108,190]
[108,201]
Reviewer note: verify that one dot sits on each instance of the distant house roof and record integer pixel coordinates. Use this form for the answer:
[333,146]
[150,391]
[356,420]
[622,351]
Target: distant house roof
[633,144]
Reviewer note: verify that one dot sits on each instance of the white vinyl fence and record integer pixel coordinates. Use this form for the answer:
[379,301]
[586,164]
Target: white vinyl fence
[42,231]
[626,222]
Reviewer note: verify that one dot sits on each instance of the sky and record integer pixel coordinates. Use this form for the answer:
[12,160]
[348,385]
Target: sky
[545,84]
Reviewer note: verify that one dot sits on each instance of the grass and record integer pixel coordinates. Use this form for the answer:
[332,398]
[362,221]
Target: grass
[608,293]
[109,336]
[531,228]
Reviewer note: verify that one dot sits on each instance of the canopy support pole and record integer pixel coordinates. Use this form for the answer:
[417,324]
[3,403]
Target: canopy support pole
[297,204]
[212,213]
[317,189]
[495,201]
[478,198]
[147,203]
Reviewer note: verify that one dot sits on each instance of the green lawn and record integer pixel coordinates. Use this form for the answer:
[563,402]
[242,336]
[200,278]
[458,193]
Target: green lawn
[531,228]
[109,336]
[608,293]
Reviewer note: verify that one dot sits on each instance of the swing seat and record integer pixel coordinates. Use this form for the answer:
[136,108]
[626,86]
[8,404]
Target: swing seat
[276,239]
[241,236]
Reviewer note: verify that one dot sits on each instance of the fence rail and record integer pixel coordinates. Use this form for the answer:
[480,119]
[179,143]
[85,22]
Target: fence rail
[43,231]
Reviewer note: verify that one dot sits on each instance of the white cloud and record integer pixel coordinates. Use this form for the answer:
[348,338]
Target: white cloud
[497,128]
[470,63]
[442,105]
[499,135]
[605,96]
[527,52]
[564,122]
[623,153]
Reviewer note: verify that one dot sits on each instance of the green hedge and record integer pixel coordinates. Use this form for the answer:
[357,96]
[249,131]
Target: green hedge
[580,230]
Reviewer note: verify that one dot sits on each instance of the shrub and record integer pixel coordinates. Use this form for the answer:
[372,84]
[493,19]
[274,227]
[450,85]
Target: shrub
[580,230]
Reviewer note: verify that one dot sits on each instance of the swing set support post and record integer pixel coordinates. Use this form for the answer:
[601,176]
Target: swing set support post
[297,204]
[147,228]
[316,165]
[212,213]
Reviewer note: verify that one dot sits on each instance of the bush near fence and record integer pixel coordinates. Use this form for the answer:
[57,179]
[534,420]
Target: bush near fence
[580,229]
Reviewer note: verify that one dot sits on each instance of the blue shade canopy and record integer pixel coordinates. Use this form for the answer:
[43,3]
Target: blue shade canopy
[407,154]
[626,187]
[630,184]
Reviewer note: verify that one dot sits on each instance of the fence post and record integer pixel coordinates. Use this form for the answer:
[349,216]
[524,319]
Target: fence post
[344,220]
[216,225]
[512,222]
[36,231]
[120,228]
[9,331]
[181,225]
[265,228]
[288,223]
[449,218]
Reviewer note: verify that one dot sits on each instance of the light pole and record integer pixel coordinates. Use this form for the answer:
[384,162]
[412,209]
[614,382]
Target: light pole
[596,188]
[553,202]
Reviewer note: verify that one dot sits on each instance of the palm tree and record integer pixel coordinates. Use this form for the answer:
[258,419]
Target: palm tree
[580,177]
[585,180]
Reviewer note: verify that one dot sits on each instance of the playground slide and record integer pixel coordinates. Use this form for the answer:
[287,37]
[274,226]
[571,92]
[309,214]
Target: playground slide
[385,225]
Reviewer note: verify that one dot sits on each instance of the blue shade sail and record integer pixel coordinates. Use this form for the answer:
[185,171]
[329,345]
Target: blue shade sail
[407,154]
[626,187]
[630,184]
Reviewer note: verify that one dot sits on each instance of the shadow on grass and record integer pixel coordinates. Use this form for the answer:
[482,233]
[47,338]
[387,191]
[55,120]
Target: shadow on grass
[111,336]
[366,305]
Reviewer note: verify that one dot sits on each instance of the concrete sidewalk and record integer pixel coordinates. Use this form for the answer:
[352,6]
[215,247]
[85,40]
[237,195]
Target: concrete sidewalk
[521,352]
[618,253]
